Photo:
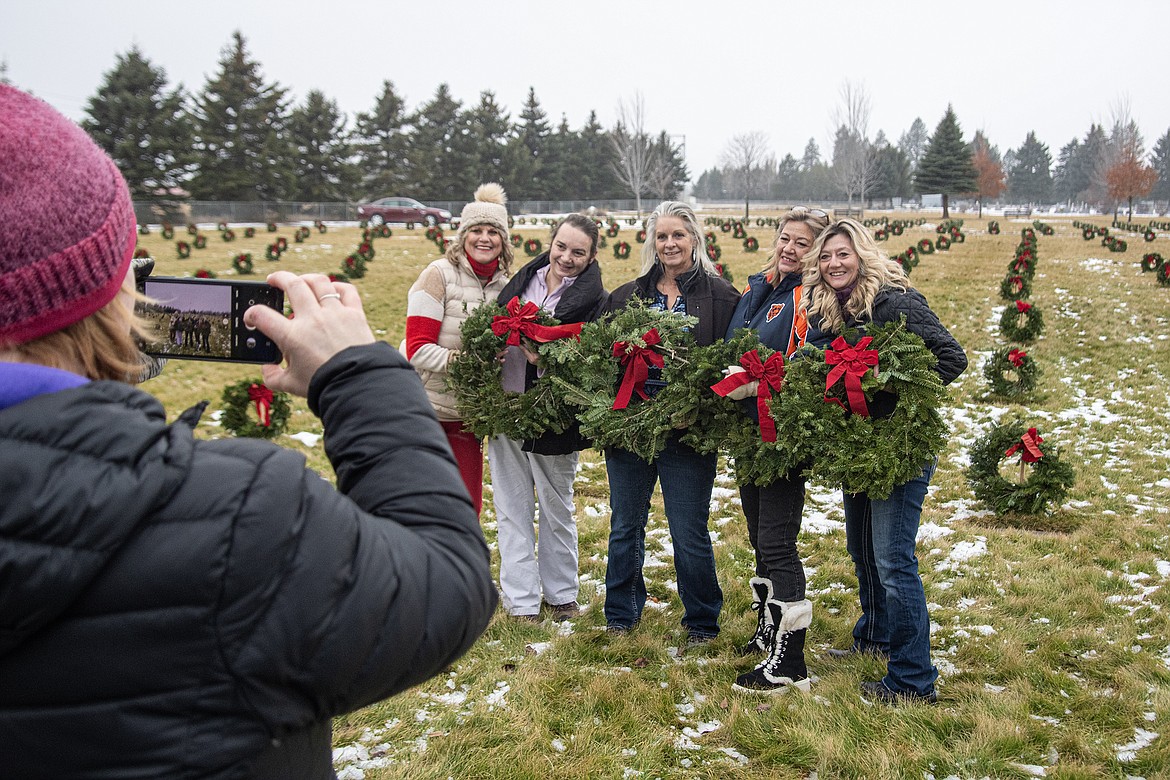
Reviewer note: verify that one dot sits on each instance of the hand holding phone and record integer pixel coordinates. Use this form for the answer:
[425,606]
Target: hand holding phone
[327,318]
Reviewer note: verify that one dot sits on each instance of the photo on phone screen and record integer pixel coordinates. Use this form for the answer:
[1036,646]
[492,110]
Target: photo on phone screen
[203,319]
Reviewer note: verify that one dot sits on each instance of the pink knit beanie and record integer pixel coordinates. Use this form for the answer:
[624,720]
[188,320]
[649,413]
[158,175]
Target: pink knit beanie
[67,226]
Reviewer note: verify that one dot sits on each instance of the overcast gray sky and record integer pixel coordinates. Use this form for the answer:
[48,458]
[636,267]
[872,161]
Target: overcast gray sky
[706,70]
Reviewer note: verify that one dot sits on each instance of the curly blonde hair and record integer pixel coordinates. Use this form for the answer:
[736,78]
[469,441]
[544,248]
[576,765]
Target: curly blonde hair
[875,271]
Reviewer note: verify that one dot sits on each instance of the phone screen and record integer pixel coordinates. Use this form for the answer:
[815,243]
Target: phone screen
[203,319]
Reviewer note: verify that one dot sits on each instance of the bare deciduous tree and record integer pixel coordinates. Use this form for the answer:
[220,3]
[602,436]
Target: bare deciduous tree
[854,158]
[634,147]
[747,157]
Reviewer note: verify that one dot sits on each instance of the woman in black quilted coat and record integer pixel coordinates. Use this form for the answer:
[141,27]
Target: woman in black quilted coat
[174,607]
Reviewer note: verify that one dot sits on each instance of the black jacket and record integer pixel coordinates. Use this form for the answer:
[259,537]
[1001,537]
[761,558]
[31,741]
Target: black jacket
[582,301]
[888,306]
[174,607]
[710,298]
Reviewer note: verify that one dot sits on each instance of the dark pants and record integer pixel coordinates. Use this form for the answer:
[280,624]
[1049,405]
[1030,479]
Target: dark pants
[773,515]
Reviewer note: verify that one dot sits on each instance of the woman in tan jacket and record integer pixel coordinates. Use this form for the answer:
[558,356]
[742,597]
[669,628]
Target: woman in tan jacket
[474,270]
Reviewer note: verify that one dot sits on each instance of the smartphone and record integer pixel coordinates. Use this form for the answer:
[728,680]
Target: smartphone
[203,319]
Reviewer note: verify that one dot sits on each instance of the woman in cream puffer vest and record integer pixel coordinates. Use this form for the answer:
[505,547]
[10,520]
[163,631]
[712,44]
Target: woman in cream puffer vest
[474,270]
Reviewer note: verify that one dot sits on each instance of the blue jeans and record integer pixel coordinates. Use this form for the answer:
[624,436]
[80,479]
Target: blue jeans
[687,478]
[880,536]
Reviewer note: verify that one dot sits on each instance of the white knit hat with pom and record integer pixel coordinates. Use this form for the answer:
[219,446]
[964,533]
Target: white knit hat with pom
[486,209]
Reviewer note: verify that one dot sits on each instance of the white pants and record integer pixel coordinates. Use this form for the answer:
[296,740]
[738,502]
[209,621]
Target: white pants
[520,480]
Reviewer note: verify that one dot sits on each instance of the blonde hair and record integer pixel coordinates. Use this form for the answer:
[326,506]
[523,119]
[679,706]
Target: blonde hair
[103,345]
[875,271]
[817,221]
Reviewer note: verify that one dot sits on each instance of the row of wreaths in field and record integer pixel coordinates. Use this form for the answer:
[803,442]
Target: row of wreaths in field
[634,376]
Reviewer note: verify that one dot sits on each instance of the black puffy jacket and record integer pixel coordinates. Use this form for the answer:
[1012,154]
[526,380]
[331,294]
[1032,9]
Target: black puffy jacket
[889,305]
[172,607]
[581,302]
[710,298]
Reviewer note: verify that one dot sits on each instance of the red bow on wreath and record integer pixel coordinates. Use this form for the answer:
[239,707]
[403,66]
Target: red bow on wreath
[1023,307]
[852,362]
[770,375]
[1029,448]
[262,397]
[637,361]
[521,321]
[1016,357]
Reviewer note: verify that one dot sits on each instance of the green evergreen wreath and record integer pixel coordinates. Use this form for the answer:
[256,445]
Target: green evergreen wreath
[925,247]
[532,247]
[942,243]
[168,231]
[1151,262]
[475,378]
[1000,365]
[183,249]
[1015,287]
[1164,274]
[240,416]
[354,266]
[727,427]
[621,250]
[993,228]
[200,241]
[1047,484]
[1149,235]
[751,244]
[272,253]
[242,263]
[1009,322]
[863,454]
[588,375]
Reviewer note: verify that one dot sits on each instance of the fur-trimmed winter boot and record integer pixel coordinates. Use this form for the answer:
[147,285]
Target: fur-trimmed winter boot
[765,628]
[784,667]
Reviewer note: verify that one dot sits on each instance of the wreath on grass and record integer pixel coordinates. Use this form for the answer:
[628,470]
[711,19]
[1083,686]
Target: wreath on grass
[827,396]
[271,227]
[272,253]
[192,229]
[200,241]
[1151,262]
[612,230]
[366,250]
[221,226]
[609,374]
[993,228]
[354,266]
[621,250]
[1016,286]
[183,248]
[282,242]
[1030,493]
[942,243]
[243,263]
[1011,327]
[227,234]
[737,230]
[881,234]
[168,231]
[321,227]
[751,244]
[714,253]
[517,240]
[762,452]
[897,229]
[1011,372]
[302,234]
[485,407]
[1089,233]
[640,236]
[204,273]
[249,232]
[925,247]
[1149,235]
[272,410]
[1164,274]
[532,247]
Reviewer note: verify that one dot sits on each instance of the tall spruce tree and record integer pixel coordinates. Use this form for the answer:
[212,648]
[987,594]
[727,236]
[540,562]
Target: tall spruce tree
[527,150]
[913,143]
[1160,159]
[142,126]
[1064,187]
[491,129]
[946,165]
[559,163]
[324,171]
[241,133]
[1031,178]
[442,152]
[381,139]
[594,159]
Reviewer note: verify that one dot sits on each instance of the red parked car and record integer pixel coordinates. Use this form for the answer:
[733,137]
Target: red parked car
[401,210]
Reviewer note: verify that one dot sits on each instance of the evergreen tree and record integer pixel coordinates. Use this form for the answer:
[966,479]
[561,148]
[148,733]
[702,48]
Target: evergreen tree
[442,152]
[4,72]
[811,157]
[241,133]
[668,173]
[1161,164]
[1092,162]
[381,139]
[788,178]
[527,150]
[595,162]
[946,166]
[1064,187]
[913,143]
[491,131]
[560,163]
[710,185]
[891,177]
[141,126]
[1031,178]
[323,168]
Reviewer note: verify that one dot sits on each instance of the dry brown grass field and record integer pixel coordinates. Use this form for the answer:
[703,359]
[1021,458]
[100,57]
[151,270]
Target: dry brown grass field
[1050,633]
